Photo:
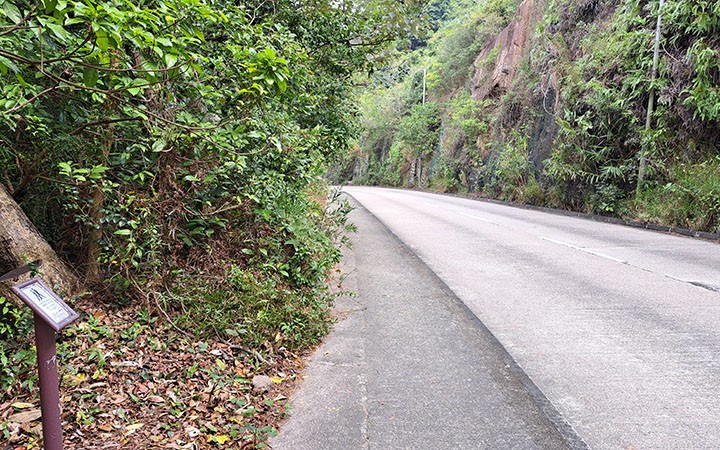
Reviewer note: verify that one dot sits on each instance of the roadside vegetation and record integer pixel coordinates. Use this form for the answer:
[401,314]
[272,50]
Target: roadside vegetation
[564,125]
[173,153]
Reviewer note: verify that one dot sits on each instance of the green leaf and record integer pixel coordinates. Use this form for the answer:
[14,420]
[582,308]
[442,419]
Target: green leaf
[198,69]
[49,6]
[164,41]
[65,168]
[171,60]
[60,33]
[90,76]
[73,21]
[123,232]
[269,53]
[97,172]
[101,39]
[158,51]
[6,64]
[11,12]
[159,145]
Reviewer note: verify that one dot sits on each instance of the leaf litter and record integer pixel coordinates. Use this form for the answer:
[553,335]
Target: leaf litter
[130,384]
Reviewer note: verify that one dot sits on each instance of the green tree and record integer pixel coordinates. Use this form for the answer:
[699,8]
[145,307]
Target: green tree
[143,138]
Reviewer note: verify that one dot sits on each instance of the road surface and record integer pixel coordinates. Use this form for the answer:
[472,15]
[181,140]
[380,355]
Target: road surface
[618,328]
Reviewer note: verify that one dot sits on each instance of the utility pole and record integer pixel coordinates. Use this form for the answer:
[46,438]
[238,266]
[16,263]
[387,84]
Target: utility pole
[418,165]
[424,78]
[651,101]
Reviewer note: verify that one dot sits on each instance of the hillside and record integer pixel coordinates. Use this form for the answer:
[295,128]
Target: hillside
[546,102]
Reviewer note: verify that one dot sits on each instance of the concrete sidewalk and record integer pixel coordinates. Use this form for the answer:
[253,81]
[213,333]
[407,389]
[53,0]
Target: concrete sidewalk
[408,366]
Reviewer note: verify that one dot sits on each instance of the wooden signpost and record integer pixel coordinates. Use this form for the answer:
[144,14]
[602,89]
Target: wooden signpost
[52,314]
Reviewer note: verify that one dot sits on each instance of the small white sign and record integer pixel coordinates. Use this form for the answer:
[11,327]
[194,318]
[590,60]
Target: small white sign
[44,302]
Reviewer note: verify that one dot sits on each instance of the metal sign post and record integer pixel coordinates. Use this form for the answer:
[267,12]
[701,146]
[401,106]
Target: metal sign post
[49,385]
[51,315]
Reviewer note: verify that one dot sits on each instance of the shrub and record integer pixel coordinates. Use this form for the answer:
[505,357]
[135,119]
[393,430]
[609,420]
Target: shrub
[17,357]
[690,199]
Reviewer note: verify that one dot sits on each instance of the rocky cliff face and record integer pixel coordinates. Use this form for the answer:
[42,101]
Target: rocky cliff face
[497,64]
[497,67]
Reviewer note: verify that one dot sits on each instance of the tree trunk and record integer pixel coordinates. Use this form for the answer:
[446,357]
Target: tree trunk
[93,274]
[92,264]
[20,243]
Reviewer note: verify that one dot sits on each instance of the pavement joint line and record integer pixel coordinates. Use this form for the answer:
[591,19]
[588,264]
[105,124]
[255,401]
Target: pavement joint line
[680,280]
[362,371]
[334,364]
[478,218]
[704,286]
[696,284]
[565,428]
[584,250]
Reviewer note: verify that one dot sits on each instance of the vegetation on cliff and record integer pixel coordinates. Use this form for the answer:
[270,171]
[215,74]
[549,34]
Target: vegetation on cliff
[546,102]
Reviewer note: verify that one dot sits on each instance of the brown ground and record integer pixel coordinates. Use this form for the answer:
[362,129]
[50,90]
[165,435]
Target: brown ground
[133,383]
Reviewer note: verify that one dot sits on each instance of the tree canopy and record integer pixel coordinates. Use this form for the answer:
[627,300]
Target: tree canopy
[131,130]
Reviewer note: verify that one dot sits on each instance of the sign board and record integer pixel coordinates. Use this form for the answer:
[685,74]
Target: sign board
[45,303]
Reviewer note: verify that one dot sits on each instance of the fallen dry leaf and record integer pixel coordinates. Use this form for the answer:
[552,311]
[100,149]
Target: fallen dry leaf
[22,405]
[220,439]
[160,406]
[105,426]
[192,432]
[135,426]
[26,416]
[118,399]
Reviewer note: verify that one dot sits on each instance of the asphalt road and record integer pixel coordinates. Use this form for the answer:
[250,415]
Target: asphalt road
[408,366]
[619,328]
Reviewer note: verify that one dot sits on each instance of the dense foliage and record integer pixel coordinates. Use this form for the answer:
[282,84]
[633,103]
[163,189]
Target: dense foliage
[173,151]
[155,142]
[571,131]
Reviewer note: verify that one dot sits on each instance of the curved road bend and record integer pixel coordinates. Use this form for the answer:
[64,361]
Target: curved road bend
[618,327]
